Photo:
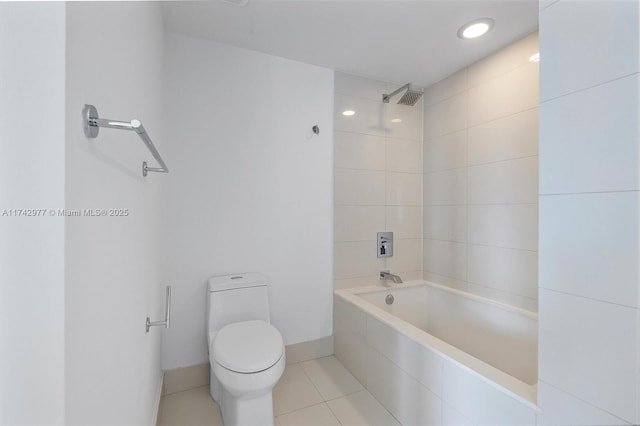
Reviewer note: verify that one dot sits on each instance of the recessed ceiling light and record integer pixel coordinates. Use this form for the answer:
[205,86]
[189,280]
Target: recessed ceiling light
[475,28]
[348,113]
[535,57]
[396,120]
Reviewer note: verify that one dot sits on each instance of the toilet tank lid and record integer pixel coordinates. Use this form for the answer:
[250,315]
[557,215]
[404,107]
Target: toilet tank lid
[229,282]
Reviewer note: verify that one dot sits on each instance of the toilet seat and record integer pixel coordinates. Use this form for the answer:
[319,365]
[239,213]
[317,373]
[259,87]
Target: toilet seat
[248,346]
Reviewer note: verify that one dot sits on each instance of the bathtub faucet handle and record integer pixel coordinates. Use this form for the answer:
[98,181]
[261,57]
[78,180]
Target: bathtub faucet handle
[386,275]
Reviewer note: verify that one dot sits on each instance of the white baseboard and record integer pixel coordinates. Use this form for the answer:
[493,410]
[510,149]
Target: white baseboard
[159,393]
[312,349]
[185,378]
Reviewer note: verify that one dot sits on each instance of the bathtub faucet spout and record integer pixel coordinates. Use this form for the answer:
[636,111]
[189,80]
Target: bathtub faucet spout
[384,275]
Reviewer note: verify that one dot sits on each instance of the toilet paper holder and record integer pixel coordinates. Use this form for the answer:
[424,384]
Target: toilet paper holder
[167,314]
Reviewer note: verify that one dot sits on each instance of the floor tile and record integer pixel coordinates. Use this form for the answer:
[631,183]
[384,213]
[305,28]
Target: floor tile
[316,415]
[193,407]
[330,378]
[294,391]
[360,409]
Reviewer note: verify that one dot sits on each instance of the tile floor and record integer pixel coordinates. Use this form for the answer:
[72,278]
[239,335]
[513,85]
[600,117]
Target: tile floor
[316,392]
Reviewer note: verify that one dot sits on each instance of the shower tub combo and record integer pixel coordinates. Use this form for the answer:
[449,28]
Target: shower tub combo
[435,355]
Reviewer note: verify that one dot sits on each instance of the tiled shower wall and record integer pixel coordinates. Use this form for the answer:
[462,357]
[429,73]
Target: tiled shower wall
[378,182]
[481,177]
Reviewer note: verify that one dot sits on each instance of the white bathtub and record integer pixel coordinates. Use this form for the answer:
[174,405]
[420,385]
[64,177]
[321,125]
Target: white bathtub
[439,356]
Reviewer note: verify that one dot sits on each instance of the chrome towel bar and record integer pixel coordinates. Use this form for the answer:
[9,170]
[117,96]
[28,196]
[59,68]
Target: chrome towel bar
[167,314]
[92,124]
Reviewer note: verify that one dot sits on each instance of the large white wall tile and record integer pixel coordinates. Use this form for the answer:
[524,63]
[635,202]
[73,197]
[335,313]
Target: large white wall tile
[359,187]
[479,401]
[404,221]
[356,259]
[356,282]
[347,84]
[586,43]
[590,140]
[404,189]
[411,125]
[404,156]
[589,245]
[503,61]
[446,88]
[523,302]
[368,118]
[507,226]
[407,255]
[510,181]
[562,409]
[358,151]
[589,349]
[510,270]
[513,136]
[448,187]
[445,152]
[452,417]
[405,398]
[358,223]
[349,338]
[419,362]
[445,117]
[445,258]
[514,92]
[444,280]
[445,223]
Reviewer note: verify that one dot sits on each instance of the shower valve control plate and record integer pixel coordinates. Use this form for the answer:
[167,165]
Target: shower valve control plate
[385,244]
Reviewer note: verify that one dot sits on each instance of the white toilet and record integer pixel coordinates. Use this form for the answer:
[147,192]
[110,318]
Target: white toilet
[246,353]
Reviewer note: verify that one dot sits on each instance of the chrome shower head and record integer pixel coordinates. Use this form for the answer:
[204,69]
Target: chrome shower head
[410,97]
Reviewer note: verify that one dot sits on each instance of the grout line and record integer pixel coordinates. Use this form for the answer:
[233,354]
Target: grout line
[483,245]
[311,381]
[566,293]
[584,89]
[502,291]
[483,204]
[588,192]
[581,400]
[427,140]
[468,166]
[334,414]
[376,135]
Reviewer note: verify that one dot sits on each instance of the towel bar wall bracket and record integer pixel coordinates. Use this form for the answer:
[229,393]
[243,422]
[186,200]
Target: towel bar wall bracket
[92,123]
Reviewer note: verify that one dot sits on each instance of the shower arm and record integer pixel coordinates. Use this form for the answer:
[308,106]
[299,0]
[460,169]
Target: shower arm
[93,123]
[386,98]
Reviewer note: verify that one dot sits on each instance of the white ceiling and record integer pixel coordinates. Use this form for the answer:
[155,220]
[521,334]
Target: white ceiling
[394,40]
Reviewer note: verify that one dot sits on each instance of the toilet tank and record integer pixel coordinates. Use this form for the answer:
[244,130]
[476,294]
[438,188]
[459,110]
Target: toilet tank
[234,298]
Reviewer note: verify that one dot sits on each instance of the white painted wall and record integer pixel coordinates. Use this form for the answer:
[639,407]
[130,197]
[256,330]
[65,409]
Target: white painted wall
[114,60]
[589,236]
[481,177]
[32,131]
[250,187]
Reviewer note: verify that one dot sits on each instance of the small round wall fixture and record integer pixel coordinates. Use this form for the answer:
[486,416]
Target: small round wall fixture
[475,28]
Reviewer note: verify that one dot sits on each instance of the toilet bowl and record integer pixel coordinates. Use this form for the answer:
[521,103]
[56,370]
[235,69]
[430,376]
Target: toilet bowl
[248,359]
[246,352]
